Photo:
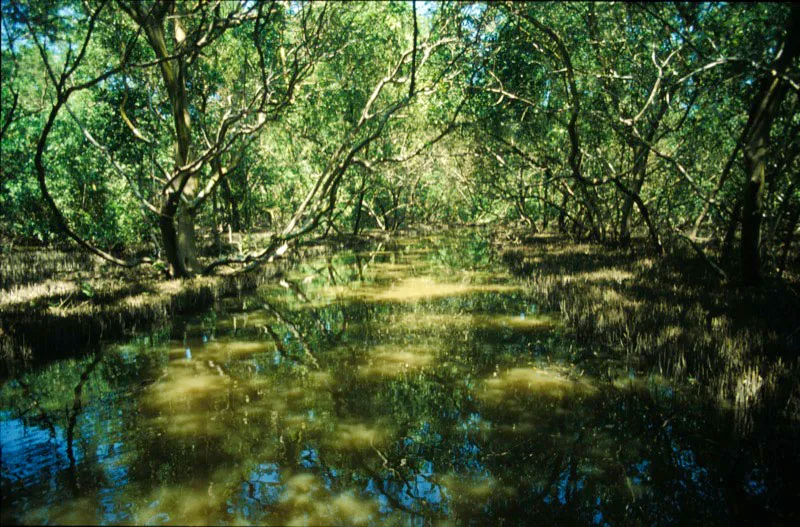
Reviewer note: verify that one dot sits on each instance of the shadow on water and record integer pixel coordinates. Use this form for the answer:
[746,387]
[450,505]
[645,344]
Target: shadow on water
[413,383]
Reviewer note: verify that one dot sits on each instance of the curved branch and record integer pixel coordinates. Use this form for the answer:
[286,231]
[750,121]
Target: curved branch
[62,96]
[59,216]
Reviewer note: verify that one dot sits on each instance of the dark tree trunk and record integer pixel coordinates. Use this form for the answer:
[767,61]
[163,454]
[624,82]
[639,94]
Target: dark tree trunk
[635,198]
[217,238]
[234,218]
[359,206]
[545,215]
[562,216]
[763,113]
[788,237]
[730,233]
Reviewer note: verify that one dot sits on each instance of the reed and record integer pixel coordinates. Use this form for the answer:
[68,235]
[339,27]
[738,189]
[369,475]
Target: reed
[64,303]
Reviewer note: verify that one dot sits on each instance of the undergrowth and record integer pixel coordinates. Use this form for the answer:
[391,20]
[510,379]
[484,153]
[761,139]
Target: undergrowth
[671,315]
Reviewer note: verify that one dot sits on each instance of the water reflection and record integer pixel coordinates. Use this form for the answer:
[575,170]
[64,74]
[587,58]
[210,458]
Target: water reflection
[405,385]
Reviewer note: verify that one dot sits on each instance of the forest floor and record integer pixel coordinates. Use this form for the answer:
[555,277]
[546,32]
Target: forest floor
[672,316]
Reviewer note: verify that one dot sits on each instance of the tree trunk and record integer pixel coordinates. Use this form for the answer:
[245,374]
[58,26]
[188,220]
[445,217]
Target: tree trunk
[730,232]
[359,205]
[639,174]
[575,155]
[723,177]
[217,238]
[763,113]
[641,155]
[176,223]
[562,216]
[543,193]
[651,228]
[234,218]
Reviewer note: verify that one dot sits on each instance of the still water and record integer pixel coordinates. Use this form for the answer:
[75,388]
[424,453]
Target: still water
[414,382]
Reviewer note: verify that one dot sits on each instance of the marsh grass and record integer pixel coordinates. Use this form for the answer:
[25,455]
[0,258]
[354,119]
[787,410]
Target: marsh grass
[672,317]
[56,303]
[24,266]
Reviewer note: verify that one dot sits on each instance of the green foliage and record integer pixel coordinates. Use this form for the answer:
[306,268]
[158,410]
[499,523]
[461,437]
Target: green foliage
[489,136]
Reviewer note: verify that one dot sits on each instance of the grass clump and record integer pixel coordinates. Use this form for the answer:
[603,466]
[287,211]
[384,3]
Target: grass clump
[673,317]
[60,308]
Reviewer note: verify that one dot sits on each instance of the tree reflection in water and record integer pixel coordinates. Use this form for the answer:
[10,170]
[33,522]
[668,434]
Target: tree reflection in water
[408,384]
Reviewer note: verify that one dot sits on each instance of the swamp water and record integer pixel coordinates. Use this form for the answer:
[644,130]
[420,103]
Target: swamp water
[412,383]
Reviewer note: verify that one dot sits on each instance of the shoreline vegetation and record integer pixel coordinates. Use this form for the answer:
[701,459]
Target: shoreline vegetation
[673,316]
[668,315]
[55,303]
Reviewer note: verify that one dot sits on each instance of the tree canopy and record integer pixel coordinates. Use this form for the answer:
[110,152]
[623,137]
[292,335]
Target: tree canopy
[131,124]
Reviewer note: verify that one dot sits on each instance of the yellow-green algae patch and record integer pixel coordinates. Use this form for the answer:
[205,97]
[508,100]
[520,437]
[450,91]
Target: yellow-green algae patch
[391,360]
[307,502]
[534,382]
[425,288]
[359,436]
[460,321]
[226,350]
[465,489]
